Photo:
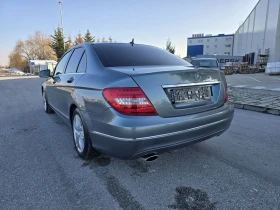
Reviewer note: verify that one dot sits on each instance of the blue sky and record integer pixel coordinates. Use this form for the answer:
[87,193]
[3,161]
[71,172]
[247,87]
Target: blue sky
[147,21]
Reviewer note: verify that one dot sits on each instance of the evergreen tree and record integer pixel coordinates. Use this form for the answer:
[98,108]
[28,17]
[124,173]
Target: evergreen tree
[98,40]
[169,47]
[103,40]
[57,43]
[110,39]
[88,37]
[79,39]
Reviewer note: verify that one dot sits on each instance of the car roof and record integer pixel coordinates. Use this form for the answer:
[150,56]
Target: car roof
[89,44]
[108,43]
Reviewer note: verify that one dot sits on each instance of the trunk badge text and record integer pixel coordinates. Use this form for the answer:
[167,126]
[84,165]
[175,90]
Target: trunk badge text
[197,76]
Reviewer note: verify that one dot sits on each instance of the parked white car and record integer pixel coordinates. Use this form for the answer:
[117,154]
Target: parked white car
[16,72]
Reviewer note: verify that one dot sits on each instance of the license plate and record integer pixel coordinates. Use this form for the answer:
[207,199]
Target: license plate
[190,94]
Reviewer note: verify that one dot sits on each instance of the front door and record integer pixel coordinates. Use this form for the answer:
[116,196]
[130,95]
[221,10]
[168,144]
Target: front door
[67,81]
[54,81]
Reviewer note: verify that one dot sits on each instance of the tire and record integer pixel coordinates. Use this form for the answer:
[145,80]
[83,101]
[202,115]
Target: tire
[82,141]
[47,107]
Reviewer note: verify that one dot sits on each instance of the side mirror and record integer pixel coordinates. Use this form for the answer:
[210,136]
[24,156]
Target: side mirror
[45,73]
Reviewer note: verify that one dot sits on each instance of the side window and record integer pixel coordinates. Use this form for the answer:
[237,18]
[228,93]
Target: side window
[74,60]
[83,64]
[61,64]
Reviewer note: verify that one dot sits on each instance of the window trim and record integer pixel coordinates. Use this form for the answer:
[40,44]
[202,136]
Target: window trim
[73,50]
[80,62]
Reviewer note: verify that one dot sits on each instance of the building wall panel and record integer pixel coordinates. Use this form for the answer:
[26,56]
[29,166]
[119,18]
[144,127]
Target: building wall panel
[260,19]
[270,33]
[259,30]
[250,31]
[195,50]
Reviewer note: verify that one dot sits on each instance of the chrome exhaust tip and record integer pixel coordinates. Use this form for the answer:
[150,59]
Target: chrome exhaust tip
[150,157]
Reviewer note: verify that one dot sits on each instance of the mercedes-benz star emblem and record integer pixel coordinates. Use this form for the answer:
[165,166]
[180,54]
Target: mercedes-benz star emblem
[197,76]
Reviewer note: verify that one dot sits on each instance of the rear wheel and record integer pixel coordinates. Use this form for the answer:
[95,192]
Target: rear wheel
[47,107]
[81,137]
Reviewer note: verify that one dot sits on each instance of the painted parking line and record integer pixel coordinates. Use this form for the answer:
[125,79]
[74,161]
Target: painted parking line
[253,79]
[258,87]
[240,86]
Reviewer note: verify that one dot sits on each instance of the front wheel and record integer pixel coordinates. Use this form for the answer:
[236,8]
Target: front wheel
[81,137]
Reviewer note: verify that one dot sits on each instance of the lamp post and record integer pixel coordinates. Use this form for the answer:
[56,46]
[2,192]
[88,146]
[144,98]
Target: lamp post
[61,21]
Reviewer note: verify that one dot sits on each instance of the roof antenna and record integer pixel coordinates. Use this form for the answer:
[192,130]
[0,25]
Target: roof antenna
[132,42]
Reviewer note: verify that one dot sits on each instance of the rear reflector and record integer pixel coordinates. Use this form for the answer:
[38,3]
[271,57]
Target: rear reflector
[226,95]
[129,101]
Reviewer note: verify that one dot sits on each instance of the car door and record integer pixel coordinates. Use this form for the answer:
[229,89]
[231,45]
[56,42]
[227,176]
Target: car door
[66,86]
[53,81]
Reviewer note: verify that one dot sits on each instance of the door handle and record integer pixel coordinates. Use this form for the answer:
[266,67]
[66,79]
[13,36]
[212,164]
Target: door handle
[71,79]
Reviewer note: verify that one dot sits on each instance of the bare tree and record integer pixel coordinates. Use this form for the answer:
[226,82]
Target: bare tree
[79,39]
[17,61]
[36,47]
[69,43]
[41,43]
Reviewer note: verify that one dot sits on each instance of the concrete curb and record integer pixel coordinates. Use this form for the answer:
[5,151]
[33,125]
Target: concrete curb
[256,108]
[260,88]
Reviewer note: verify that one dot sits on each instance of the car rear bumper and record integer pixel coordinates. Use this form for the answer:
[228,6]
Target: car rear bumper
[128,137]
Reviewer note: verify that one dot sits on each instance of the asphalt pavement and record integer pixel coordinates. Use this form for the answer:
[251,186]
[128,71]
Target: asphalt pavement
[39,168]
[257,81]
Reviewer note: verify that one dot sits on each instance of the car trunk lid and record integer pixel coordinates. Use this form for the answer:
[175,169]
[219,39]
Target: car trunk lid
[178,90]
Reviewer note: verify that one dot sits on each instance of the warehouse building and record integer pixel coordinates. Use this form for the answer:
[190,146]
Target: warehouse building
[258,38]
[221,44]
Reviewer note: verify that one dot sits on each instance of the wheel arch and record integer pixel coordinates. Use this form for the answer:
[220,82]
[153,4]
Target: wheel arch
[71,111]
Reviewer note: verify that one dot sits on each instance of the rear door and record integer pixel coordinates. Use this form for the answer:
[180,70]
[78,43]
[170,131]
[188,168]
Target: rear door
[75,69]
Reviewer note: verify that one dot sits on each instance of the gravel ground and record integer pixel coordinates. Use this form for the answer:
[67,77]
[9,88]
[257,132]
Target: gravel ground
[39,168]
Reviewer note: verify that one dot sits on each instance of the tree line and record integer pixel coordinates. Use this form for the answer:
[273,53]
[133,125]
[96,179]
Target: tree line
[60,47]
[43,47]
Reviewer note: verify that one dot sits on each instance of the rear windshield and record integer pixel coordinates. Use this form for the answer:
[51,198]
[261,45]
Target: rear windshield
[205,63]
[115,55]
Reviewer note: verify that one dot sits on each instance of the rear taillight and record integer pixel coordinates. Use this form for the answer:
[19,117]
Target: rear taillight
[226,95]
[129,101]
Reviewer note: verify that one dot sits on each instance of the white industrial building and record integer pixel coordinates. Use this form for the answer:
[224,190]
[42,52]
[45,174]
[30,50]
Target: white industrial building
[221,44]
[259,35]
[37,65]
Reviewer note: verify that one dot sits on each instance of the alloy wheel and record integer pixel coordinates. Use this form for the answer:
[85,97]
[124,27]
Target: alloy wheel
[79,134]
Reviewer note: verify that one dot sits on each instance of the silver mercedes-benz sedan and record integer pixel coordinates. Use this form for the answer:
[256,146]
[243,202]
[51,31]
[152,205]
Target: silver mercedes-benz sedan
[130,100]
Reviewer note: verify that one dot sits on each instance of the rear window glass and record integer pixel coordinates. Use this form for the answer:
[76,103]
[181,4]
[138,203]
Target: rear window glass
[205,63]
[115,55]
